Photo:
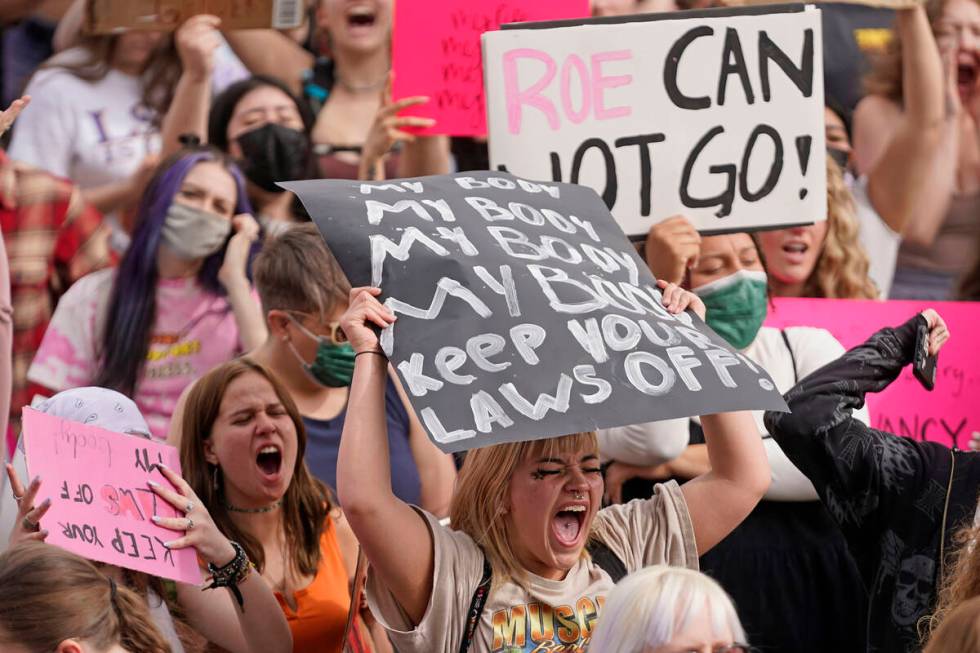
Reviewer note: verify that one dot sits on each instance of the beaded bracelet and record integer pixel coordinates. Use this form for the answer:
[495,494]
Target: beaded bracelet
[232,574]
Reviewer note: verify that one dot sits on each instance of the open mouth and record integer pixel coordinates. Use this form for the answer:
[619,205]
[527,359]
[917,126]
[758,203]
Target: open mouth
[795,251]
[269,460]
[361,17]
[568,524]
[966,77]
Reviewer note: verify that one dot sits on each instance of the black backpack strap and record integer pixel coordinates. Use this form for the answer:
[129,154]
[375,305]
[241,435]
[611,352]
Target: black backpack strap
[792,358]
[607,560]
[476,606]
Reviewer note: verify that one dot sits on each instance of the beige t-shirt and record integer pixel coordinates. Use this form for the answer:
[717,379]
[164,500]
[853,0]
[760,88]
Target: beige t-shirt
[548,615]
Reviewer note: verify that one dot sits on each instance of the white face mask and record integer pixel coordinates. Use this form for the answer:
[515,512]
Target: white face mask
[192,233]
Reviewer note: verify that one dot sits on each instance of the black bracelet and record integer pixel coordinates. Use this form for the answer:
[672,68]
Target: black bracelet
[233,574]
[370,351]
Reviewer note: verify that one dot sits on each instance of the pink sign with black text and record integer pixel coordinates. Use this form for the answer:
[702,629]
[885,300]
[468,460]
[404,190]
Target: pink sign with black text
[948,414]
[101,504]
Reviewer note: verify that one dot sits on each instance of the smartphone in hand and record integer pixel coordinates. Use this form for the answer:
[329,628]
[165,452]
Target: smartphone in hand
[924,365]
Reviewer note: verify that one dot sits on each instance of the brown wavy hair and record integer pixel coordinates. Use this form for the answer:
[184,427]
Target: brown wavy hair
[50,595]
[482,494]
[960,584]
[885,76]
[306,504]
[841,271]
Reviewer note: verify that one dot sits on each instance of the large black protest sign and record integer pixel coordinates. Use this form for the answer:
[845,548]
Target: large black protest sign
[717,115]
[523,310]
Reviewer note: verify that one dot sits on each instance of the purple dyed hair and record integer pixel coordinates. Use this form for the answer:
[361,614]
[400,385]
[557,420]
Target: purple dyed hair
[132,303]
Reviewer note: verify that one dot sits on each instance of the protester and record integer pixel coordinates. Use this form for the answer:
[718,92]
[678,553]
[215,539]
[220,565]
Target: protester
[898,501]
[216,617]
[668,609]
[95,118]
[521,514]
[53,238]
[241,451]
[347,91]
[304,294]
[180,303]
[789,543]
[55,601]
[960,631]
[920,121]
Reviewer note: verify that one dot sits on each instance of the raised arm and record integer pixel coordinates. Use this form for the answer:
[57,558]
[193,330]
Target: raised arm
[244,303]
[395,538]
[197,40]
[909,154]
[860,473]
[268,52]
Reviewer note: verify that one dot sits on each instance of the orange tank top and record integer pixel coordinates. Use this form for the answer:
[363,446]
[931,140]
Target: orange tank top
[318,622]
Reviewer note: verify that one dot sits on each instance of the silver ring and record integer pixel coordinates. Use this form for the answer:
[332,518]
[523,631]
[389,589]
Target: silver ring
[18,499]
[190,524]
[189,506]
[29,525]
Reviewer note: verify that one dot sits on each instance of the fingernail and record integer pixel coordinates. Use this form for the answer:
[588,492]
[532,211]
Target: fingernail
[162,466]
[167,544]
[153,484]
[37,479]
[154,518]
[46,502]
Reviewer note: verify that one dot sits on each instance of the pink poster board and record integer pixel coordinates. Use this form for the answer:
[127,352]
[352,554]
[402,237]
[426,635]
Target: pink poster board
[948,414]
[436,52]
[100,502]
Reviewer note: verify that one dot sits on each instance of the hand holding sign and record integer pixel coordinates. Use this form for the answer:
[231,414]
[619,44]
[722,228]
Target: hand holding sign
[363,311]
[197,40]
[199,529]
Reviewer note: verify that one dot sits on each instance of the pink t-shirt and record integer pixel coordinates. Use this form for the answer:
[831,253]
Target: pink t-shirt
[194,331]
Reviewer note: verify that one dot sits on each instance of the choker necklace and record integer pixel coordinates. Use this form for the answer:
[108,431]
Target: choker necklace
[268,508]
[363,88]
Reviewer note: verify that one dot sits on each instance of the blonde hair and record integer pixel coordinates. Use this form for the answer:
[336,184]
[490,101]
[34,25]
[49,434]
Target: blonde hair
[961,584]
[483,493]
[960,631]
[841,271]
[647,607]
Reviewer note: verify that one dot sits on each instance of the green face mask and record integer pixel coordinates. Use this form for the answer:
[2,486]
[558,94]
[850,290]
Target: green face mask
[736,306]
[333,365]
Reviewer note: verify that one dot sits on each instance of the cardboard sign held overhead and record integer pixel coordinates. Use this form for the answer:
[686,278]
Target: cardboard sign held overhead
[436,52]
[523,310]
[948,414]
[109,16]
[101,504]
[717,115]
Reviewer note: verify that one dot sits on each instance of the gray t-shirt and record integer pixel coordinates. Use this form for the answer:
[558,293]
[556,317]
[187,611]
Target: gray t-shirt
[558,613]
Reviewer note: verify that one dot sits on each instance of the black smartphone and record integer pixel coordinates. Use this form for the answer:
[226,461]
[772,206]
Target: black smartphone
[924,365]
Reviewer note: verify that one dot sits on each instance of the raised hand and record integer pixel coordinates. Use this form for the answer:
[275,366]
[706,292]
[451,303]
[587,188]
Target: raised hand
[197,526]
[363,311]
[671,247]
[9,115]
[236,254]
[387,130]
[28,524]
[197,40]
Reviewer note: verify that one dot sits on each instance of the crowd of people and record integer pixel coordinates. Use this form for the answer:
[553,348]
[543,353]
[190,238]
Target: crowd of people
[155,281]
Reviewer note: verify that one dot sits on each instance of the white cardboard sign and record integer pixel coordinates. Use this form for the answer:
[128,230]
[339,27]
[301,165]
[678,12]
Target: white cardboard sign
[719,118]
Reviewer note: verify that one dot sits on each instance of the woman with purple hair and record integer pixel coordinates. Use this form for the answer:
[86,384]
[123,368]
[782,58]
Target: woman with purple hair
[180,302]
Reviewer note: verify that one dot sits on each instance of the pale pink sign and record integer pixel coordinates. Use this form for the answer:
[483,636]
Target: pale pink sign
[948,414]
[101,504]
[436,51]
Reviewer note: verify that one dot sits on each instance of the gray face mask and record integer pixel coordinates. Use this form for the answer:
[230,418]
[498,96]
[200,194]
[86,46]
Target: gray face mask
[192,233]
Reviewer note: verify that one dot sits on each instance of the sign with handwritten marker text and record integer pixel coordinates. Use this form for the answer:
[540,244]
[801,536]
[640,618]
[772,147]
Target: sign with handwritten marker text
[100,503]
[716,115]
[523,310]
[436,52]
[948,414]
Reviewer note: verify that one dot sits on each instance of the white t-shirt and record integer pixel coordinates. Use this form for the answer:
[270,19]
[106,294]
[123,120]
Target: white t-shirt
[93,133]
[654,443]
[544,615]
[879,241]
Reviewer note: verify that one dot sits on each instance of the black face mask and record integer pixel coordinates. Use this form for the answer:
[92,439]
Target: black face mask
[274,153]
[840,157]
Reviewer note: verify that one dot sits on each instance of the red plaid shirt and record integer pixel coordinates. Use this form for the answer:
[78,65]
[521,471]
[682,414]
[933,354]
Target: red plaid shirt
[53,238]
